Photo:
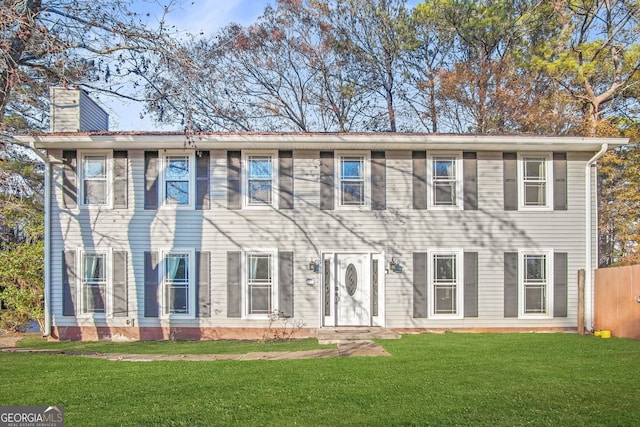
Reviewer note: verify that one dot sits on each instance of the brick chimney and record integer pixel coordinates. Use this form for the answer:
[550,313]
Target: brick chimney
[73,111]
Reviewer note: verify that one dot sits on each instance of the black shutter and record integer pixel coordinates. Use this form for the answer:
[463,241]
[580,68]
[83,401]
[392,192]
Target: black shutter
[151,169]
[234,200]
[510,170]
[151,282]
[69,283]
[419,179]
[470,180]
[510,284]
[560,181]
[234,308]
[203,283]
[70,178]
[420,283]
[120,297]
[471,284]
[202,180]
[378,181]
[560,284]
[326,180]
[120,179]
[285,171]
[285,284]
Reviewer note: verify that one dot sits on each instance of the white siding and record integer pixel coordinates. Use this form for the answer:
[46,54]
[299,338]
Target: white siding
[397,231]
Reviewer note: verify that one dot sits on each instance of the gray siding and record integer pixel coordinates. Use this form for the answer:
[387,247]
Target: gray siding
[307,231]
[73,111]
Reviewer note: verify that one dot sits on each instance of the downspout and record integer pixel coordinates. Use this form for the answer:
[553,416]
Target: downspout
[47,239]
[589,218]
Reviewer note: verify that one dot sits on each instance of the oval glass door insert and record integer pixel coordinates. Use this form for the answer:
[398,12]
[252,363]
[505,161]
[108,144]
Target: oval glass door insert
[351,279]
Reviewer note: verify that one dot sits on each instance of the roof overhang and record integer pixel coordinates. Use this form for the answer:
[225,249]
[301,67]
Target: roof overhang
[317,141]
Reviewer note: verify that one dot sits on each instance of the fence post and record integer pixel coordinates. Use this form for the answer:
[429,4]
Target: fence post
[581,277]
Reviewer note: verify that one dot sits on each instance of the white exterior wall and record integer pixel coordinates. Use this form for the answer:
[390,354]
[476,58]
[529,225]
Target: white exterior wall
[397,231]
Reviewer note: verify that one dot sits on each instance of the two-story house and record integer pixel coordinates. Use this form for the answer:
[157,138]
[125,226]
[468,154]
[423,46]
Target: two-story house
[149,237]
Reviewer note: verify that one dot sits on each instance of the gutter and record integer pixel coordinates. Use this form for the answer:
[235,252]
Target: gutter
[589,218]
[47,239]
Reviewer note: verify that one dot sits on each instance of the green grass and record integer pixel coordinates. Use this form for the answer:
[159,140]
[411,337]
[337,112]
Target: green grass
[172,347]
[450,379]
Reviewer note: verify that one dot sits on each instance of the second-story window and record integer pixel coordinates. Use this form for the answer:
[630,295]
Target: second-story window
[444,181]
[535,181]
[95,179]
[259,180]
[177,180]
[352,181]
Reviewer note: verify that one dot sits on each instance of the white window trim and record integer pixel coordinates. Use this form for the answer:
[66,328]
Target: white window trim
[431,187]
[275,163]
[549,279]
[549,181]
[245,278]
[459,253]
[109,185]
[108,312]
[366,155]
[192,179]
[192,283]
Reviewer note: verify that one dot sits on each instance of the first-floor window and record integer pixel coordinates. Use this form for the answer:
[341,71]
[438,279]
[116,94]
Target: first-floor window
[177,280]
[94,283]
[446,283]
[535,283]
[260,283]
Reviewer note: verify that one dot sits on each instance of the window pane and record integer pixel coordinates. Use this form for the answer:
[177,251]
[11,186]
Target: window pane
[176,268]
[177,168]
[445,299]
[444,168]
[94,268]
[535,194]
[177,192]
[534,168]
[352,167]
[260,167]
[535,296]
[178,299]
[95,167]
[444,267]
[535,268]
[445,194]
[260,192]
[259,299]
[352,193]
[260,268]
[95,192]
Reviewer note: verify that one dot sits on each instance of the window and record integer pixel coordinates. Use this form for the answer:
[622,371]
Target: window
[177,180]
[535,181]
[260,177]
[535,283]
[353,177]
[445,181]
[94,283]
[446,284]
[177,283]
[259,283]
[259,180]
[95,179]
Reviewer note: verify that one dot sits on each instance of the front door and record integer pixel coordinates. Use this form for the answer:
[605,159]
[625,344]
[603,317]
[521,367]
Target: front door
[353,288]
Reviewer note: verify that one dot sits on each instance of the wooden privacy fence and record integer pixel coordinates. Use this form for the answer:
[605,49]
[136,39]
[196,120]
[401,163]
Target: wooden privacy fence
[617,291]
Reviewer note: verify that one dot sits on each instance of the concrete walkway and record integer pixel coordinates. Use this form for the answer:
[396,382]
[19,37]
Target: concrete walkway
[361,348]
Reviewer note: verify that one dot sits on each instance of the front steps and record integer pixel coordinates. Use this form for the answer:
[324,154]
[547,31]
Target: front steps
[340,334]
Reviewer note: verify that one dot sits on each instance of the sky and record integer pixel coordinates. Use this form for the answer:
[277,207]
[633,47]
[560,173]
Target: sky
[193,16]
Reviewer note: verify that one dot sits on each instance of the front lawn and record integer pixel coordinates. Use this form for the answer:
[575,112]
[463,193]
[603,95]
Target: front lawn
[450,379]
